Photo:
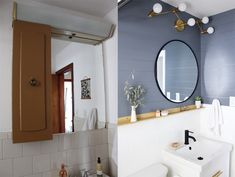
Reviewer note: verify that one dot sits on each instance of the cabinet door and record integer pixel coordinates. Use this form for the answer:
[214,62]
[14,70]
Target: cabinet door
[31,82]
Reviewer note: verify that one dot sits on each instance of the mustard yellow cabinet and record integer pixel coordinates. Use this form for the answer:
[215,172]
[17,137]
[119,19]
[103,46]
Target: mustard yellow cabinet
[31,82]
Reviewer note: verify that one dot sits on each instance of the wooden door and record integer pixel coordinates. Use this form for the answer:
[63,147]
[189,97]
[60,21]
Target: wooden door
[31,82]
[56,125]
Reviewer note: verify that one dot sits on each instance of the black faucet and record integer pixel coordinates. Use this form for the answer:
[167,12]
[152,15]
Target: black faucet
[187,137]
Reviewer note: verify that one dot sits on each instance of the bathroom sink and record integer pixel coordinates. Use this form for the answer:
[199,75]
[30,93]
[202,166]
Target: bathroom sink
[200,157]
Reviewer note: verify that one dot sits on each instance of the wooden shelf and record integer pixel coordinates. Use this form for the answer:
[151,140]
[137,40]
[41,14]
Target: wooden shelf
[152,115]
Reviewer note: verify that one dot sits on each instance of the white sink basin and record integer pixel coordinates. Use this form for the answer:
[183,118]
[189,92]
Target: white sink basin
[199,156]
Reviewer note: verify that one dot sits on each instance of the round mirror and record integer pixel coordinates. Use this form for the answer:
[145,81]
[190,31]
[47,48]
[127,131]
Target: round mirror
[176,71]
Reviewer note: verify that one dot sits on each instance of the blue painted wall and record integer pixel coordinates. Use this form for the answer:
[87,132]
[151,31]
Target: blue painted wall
[140,38]
[218,59]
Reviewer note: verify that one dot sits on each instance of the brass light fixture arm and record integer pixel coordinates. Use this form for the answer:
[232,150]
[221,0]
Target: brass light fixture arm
[199,24]
[152,13]
[175,12]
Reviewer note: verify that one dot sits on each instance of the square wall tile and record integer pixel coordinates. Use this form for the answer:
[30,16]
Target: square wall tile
[22,166]
[1,153]
[81,139]
[9,135]
[41,163]
[30,149]
[87,166]
[105,165]
[6,168]
[102,151]
[86,155]
[11,150]
[35,175]
[50,146]
[51,173]
[97,137]
[3,135]
[112,168]
[112,135]
[57,159]
[72,157]
[65,142]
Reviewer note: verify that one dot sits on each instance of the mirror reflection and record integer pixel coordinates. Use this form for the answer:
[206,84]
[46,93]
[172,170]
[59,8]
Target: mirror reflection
[78,95]
[176,71]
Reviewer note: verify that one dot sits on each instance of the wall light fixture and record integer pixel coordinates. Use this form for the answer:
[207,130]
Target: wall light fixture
[181,24]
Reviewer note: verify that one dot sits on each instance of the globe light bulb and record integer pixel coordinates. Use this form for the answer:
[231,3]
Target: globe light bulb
[210,30]
[157,8]
[205,20]
[191,22]
[182,7]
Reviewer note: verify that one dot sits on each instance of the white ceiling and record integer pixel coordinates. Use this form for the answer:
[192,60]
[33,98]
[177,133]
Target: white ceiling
[92,7]
[201,8]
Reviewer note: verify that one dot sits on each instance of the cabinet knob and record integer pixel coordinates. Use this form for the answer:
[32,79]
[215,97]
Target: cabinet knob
[33,82]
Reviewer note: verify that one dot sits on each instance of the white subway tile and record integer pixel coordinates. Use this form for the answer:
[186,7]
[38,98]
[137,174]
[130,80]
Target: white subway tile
[30,149]
[57,159]
[49,146]
[11,150]
[6,168]
[41,163]
[22,166]
[80,139]
[102,151]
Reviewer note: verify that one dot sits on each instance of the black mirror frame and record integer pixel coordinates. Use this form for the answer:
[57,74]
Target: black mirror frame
[155,70]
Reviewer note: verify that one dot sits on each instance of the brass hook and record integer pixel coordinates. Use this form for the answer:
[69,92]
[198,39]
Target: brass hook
[33,82]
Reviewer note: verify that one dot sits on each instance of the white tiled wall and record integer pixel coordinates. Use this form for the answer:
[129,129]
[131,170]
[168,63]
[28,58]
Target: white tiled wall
[112,145]
[43,159]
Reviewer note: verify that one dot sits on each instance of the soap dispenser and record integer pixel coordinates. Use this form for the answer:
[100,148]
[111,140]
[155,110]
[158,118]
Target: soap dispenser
[63,172]
[99,171]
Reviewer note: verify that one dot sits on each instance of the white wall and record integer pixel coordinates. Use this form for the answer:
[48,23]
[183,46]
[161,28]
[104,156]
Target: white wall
[87,61]
[111,86]
[111,65]
[141,144]
[6,65]
[227,130]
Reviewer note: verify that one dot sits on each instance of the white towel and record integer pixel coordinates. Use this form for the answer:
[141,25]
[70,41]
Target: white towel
[215,121]
[91,122]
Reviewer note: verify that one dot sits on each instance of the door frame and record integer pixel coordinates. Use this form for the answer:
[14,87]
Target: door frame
[61,100]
